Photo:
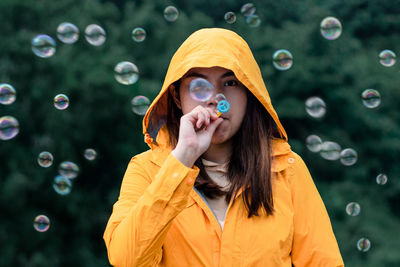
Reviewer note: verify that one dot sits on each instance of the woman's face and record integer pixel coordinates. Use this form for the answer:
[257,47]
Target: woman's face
[225,82]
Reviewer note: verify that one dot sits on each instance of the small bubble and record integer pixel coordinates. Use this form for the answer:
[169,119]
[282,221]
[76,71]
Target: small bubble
[230,17]
[371,98]
[282,59]
[67,33]
[140,104]
[45,159]
[248,9]
[348,157]
[9,127]
[61,101]
[253,21]
[387,58]
[201,90]
[41,223]
[95,35]
[62,185]
[7,94]
[90,154]
[353,209]
[171,13]
[126,73]
[330,150]
[363,244]
[43,46]
[138,34]
[381,179]
[68,169]
[315,107]
[331,28]
[314,143]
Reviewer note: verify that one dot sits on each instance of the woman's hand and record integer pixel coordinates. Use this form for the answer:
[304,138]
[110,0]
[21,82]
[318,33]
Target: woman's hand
[195,133]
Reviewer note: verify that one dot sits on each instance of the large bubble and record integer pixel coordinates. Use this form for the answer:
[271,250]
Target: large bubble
[41,223]
[348,157]
[61,101]
[330,150]
[95,35]
[140,104]
[314,143]
[282,59]
[138,34]
[90,154]
[201,90]
[45,159]
[230,17]
[353,209]
[67,33]
[381,179]
[43,46]
[68,169]
[126,73]
[171,13]
[248,9]
[62,185]
[363,244]
[387,58]
[331,28]
[371,98]
[315,107]
[7,94]
[253,21]
[9,127]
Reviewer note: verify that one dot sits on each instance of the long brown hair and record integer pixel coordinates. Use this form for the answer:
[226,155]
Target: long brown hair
[250,163]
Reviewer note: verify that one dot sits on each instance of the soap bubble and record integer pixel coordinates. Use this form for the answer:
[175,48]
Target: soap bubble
[253,21]
[171,13]
[62,185]
[330,150]
[68,169]
[9,127]
[387,58]
[315,107]
[363,244]
[41,223]
[90,154]
[45,159]
[43,46]
[61,101]
[230,17]
[331,28]
[282,59]
[95,35]
[138,34]
[140,104]
[223,106]
[67,33]
[248,9]
[353,209]
[201,89]
[126,73]
[381,179]
[348,157]
[7,94]
[314,143]
[371,98]
[219,97]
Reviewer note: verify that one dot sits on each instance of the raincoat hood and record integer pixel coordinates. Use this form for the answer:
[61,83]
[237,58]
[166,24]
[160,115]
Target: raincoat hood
[206,48]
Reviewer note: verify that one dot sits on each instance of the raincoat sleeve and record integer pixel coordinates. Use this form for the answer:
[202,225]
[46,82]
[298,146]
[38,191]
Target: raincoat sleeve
[145,209]
[314,243]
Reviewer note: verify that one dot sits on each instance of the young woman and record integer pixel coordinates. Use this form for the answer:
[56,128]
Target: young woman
[218,191]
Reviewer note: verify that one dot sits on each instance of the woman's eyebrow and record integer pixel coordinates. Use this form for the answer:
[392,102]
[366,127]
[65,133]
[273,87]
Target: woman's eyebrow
[227,74]
[196,74]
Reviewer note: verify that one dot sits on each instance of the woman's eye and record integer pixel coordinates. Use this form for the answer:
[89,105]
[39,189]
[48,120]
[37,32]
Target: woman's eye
[231,83]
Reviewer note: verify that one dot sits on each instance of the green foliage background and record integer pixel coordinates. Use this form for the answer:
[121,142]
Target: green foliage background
[100,114]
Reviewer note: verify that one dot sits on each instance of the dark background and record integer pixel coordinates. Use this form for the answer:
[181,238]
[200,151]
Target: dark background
[100,115]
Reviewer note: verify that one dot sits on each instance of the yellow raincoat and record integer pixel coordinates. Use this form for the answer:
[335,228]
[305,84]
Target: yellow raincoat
[161,220]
